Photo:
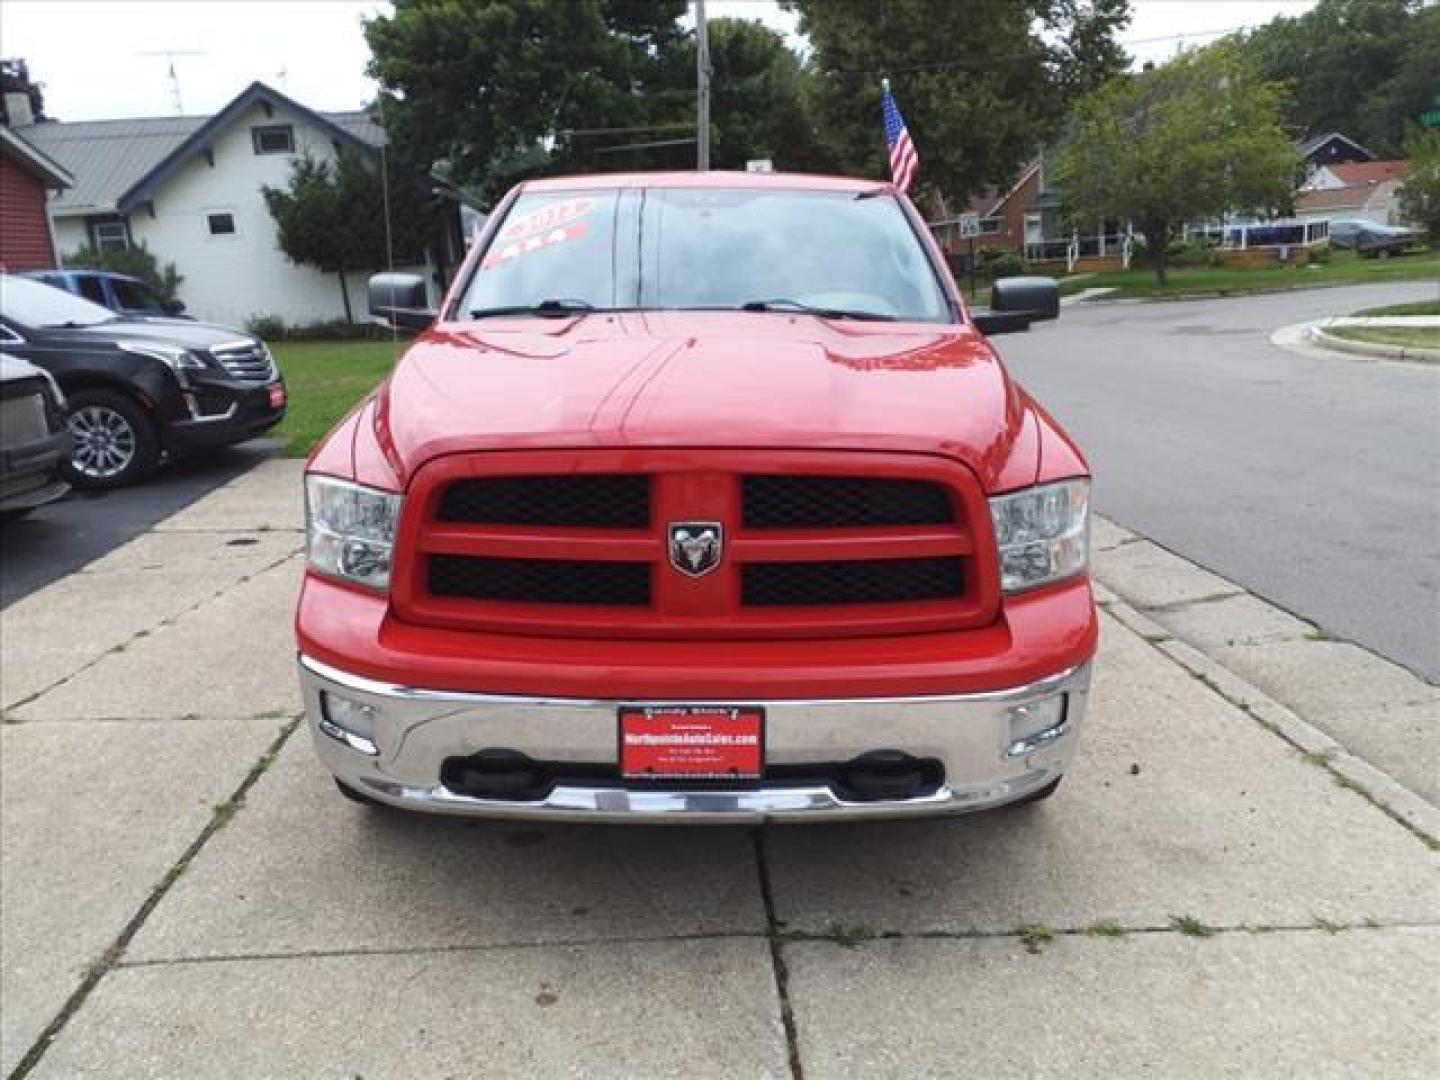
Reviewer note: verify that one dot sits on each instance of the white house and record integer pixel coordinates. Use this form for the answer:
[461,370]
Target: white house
[189,187]
[1354,191]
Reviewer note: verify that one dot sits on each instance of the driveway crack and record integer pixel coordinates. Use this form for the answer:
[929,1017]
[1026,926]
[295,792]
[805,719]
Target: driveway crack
[776,939]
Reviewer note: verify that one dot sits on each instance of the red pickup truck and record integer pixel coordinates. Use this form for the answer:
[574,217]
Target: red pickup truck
[702,497]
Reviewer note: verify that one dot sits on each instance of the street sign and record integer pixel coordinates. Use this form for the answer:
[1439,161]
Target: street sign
[970,225]
[1431,117]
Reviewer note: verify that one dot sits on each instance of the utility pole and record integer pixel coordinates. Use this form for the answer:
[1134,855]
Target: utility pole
[702,89]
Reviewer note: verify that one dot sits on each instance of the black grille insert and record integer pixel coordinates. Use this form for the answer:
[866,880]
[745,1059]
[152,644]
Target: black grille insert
[572,500]
[867,581]
[540,581]
[833,502]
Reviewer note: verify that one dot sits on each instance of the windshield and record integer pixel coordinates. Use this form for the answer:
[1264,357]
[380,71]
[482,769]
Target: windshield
[709,248]
[36,305]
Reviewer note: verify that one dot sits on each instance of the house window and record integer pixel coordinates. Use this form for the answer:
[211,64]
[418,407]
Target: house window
[273,139]
[113,235]
[221,224]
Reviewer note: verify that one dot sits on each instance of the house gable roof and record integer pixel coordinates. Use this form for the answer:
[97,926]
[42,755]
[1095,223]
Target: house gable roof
[201,137]
[117,164]
[1308,147]
[1350,197]
[1370,172]
[51,173]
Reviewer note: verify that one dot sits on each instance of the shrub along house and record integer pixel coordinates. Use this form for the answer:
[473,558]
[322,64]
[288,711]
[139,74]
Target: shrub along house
[189,187]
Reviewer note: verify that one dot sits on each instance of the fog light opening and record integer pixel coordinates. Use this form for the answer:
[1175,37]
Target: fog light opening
[350,722]
[1036,724]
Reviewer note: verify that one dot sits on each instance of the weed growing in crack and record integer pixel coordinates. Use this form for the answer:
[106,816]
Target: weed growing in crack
[1191,926]
[1105,928]
[1035,937]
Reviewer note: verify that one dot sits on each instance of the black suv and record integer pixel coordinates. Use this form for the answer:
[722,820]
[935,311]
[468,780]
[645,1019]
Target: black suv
[138,388]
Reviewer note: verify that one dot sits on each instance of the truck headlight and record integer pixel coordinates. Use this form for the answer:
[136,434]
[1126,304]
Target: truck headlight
[350,530]
[1043,533]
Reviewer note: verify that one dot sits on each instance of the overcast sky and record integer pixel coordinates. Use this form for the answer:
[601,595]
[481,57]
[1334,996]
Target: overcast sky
[97,59]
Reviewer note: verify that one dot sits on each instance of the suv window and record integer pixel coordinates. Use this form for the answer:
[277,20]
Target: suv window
[134,295]
[91,288]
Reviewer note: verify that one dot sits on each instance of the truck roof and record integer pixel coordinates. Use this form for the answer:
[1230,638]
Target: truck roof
[713,179]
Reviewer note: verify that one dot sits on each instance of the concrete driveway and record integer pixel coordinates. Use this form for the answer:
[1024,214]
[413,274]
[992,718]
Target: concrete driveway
[184,893]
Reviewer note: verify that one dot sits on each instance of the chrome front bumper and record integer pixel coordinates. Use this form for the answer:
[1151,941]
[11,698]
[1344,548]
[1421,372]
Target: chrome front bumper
[416,730]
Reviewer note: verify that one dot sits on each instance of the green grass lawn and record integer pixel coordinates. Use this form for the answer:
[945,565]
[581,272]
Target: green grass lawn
[1420,307]
[1344,267]
[325,379]
[1422,337]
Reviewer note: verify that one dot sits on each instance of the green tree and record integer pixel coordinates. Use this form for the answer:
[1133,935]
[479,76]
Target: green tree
[1361,67]
[981,84]
[332,216]
[758,100]
[137,261]
[489,91]
[1420,194]
[1188,140]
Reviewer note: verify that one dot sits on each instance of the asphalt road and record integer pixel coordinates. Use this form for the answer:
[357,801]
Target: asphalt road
[1312,481]
[62,537]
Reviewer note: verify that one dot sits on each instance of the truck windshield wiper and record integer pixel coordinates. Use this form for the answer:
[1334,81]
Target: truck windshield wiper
[545,309]
[822,312]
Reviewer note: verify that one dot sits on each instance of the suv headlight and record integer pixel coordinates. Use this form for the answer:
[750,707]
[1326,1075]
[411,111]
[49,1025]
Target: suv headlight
[173,356]
[350,530]
[1043,533]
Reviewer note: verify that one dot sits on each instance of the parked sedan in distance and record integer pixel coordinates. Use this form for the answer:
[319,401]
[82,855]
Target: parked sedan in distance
[1382,241]
[121,293]
[34,441]
[140,388]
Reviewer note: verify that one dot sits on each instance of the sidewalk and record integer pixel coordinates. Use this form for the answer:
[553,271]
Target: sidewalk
[184,894]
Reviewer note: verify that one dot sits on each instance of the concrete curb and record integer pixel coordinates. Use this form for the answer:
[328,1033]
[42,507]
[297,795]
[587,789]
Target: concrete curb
[1372,349]
[1411,810]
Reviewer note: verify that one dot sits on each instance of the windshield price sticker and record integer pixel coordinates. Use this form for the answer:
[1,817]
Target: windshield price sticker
[547,218]
[698,742]
[507,252]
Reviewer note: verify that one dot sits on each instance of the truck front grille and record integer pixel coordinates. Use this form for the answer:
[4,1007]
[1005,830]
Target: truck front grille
[576,501]
[868,581]
[541,581]
[831,502]
[578,543]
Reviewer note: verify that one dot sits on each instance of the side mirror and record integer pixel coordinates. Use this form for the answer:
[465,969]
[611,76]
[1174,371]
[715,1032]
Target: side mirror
[1017,302]
[173,307]
[400,300]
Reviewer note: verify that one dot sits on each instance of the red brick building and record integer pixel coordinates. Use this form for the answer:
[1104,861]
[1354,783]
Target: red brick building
[26,178]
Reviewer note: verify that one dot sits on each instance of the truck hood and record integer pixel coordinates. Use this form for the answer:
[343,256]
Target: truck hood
[725,379]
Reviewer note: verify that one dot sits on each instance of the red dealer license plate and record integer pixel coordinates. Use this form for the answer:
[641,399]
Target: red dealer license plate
[695,742]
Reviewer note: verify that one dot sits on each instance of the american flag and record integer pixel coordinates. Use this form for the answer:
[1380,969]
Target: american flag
[903,159]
